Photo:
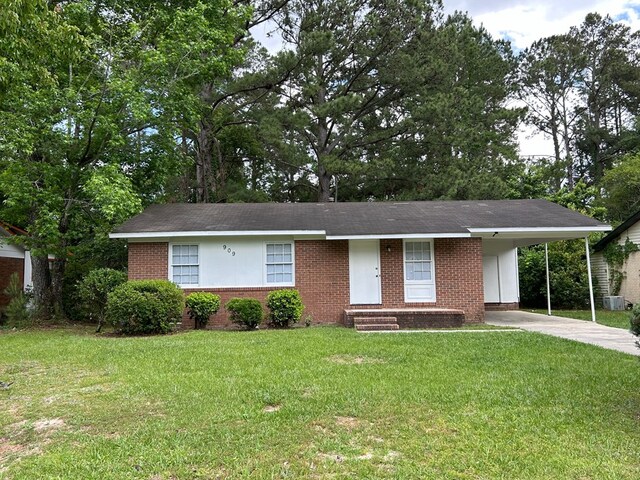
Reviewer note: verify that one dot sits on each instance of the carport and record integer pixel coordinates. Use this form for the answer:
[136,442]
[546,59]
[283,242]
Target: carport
[500,259]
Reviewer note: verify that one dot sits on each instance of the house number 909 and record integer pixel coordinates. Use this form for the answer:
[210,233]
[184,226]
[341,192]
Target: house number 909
[229,250]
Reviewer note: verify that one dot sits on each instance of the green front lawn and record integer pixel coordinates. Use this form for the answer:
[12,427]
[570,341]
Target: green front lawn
[619,319]
[316,403]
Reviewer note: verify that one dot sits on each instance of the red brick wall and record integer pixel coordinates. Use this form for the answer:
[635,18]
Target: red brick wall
[7,267]
[459,276]
[322,277]
[148,261]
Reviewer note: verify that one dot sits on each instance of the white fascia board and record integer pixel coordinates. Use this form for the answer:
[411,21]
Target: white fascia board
[538,230]
[240,233]
[398,236]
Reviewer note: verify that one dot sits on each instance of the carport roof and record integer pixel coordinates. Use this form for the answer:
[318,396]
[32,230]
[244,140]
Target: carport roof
[360,219]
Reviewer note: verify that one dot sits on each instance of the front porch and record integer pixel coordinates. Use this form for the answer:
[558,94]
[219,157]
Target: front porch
[403,318]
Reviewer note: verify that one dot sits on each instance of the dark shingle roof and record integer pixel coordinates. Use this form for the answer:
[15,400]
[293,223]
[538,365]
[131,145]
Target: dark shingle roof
[364,218]
[610,237]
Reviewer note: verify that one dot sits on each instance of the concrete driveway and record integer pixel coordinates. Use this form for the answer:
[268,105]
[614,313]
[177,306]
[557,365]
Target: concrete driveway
[578,330]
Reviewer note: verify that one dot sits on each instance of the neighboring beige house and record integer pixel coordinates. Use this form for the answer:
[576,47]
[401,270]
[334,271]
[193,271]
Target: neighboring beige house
[630,286]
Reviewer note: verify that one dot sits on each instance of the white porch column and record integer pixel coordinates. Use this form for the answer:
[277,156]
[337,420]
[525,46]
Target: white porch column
[546,262]
[593,307]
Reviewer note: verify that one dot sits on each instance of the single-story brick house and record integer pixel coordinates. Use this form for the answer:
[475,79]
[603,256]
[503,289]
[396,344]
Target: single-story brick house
[414,263]
[13,259]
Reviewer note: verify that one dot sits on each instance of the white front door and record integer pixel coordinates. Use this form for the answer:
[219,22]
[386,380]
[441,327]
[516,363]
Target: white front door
[364,272]
[491,279]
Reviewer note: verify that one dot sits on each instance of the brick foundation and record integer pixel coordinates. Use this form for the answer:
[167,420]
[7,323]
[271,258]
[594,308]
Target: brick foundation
[501,307]
[9,266]
[410,318]
[322,278]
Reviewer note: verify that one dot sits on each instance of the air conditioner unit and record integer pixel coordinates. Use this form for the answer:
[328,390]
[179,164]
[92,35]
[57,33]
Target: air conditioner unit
[613,303]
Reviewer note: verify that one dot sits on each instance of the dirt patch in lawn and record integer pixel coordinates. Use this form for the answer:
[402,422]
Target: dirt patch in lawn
[354,359]
[349,423]
[48,425]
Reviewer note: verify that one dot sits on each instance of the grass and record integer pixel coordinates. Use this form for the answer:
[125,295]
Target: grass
[315,403]
[618,319]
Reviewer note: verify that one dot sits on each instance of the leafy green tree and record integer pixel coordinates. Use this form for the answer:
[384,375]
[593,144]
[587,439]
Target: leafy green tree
[343,92]
[582,90]
[460,127]
[610,90]
[622,188]
[568,272]
[92,116]
[548,73]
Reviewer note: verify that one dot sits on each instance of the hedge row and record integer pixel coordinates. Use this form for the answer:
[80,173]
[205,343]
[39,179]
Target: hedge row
[141,307]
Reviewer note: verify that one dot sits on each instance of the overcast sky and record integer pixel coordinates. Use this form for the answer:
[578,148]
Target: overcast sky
[523,22]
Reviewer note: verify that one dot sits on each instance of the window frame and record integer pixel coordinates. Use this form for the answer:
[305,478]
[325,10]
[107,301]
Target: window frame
[265,280]
[171,264]
[432,262]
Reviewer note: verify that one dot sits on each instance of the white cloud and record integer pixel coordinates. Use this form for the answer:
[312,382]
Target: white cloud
[525,22]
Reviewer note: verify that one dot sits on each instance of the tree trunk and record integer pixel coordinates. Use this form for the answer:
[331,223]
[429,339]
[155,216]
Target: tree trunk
[204,156]
[220,177]
[554,133]
[566,137]
[57,269]
[42,293]
[324,184]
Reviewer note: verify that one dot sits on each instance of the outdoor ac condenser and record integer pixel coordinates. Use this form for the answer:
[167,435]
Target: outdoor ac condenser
[613,303]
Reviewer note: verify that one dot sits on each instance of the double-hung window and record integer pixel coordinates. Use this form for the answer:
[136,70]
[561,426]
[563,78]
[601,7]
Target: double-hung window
[417,258]
[419,284]
[279,263]
[185,264]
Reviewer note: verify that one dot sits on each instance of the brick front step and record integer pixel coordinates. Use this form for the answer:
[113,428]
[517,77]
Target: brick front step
[408,317]
[374,320]
[377,327]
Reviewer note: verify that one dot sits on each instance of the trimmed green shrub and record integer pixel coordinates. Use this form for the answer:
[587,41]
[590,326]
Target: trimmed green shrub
[246,312]
[145,306]
[17,311]
[201,306]
[635,323]
[94,290]
[285,307]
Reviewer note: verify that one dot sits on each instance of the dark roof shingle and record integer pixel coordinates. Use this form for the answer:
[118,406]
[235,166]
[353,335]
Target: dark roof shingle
[362,218]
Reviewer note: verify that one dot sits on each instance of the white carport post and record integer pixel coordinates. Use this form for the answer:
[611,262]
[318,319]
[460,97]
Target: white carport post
[546,262]
[593,307]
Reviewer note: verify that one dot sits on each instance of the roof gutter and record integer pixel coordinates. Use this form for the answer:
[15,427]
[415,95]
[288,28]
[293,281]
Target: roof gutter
[538,230]
[236,233]
[398,236]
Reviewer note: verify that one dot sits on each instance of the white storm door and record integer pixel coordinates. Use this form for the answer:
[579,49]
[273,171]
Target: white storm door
[491,279]
[364,272]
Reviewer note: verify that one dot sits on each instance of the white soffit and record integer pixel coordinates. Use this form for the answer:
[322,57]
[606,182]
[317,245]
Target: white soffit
[240,233]
[398,236]
[537,232]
